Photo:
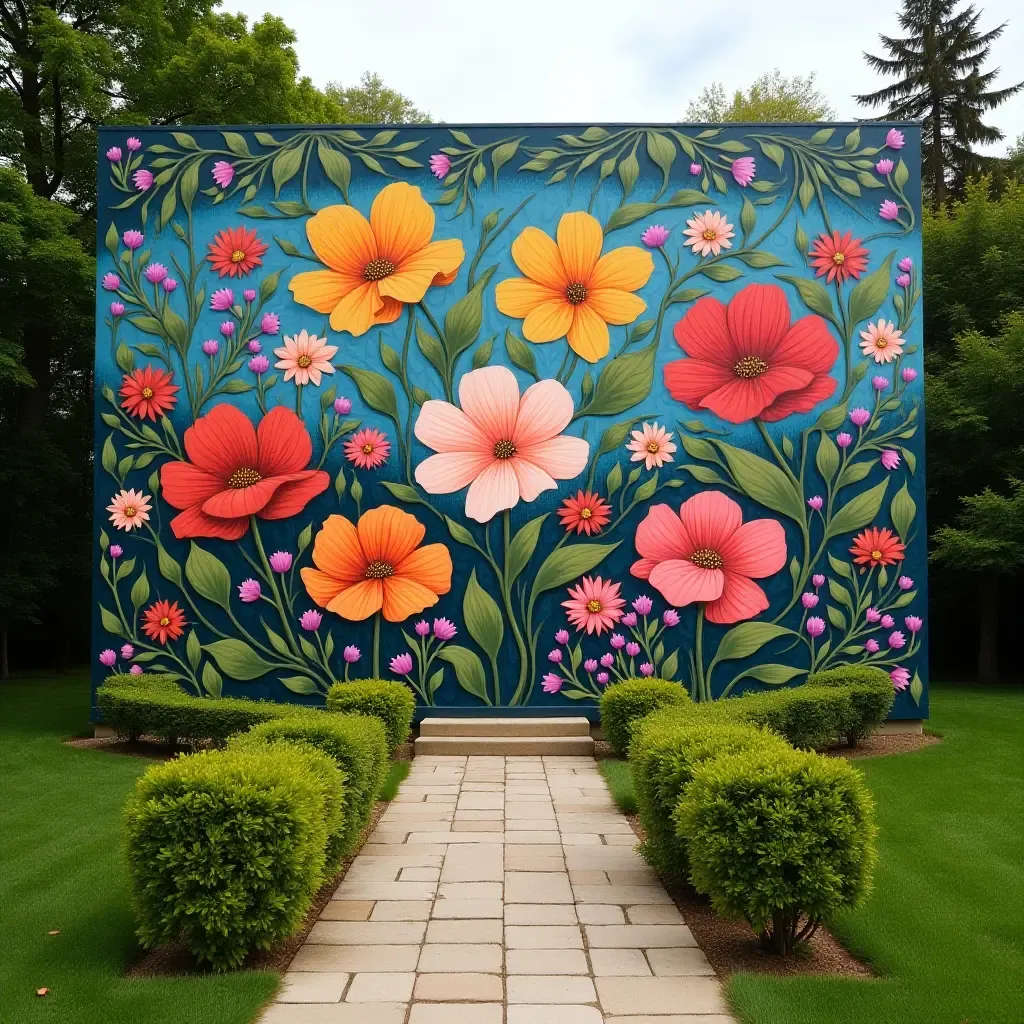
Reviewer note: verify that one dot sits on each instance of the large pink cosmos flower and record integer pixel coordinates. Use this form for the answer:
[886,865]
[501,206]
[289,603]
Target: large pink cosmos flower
[708,233]
[305,357]
[501,446]
[594,605]
[707,553]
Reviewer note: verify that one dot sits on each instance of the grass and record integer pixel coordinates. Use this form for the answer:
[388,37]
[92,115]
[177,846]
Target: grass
[396,776]
[61,868]
[944,927]
[620,781]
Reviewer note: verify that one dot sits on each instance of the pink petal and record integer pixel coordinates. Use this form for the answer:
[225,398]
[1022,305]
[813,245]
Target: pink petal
[544,411]
[445,428]
[643,567]
[495,489]
[561,457]
[710,518]
[661,536]
[741,599]
[490,397]
[532,479]
[758,319]
[757,549]
[681,582]
[451,471]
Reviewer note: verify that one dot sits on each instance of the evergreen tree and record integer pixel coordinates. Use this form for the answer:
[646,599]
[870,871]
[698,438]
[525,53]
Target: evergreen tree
[938,65]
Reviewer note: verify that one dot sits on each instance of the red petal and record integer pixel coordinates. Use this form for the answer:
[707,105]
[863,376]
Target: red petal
[741,599]
[704,333]
[193,522]
[222,441]
[692,380]
[292,497]
[801,400]
[282,442]
[809,345]
[233,502]
[756,549]
[759,319]
[185,485]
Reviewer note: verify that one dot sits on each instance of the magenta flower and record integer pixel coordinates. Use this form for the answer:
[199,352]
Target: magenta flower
[310,621]
[815,626]
[607,660]
[647,669]
[602,678]
[890,458]
[858,417]
[117,308]
[254,345]
[211,346]
[270,324]
[115,551]
[871,646]
[351,654]
[135,670]
[133,144]
[914,623]
[114,154]
[894,140]
[618,641]
[873,615]
[551,683]
[227,328]
[655,236]
[670,617]
[816,502]
[903,280]
[108,657]
[743,170]
[888,622]
[909,374]
[818,580]
[259,364]
[905,583]
[879,383]
[444,629]
[127,651]
[643,604]
[905,264]
[884,166]
[249,295]
[695,168]
[809,600]
[249,591]
[401,664]
[169,284]
[222,299]
[629,619]
[223,173]
[422,628]
[133,239]
[889,210]
[897,639]
[143,179]
[342,406]
[440,165]
[844,440]
[155,272]
[281,561]
[555,655]
[632,649]
[111,282]
[900,678]
[590,664]
[562,636]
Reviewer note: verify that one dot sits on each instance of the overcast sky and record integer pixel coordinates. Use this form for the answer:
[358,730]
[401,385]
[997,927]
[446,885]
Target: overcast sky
[606,60]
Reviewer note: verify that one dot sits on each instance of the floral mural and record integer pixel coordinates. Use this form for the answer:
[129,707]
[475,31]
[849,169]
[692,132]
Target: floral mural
[510,415]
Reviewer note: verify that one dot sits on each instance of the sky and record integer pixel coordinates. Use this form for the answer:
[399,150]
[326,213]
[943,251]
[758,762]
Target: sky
[607,60]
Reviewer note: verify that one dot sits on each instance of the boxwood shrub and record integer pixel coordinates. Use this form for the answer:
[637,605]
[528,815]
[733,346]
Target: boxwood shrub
[624,703]
[226,848]
[385,699]
[781,839]
[870,691]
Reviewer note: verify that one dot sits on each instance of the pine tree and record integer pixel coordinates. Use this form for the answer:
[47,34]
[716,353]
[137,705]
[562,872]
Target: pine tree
[941,82]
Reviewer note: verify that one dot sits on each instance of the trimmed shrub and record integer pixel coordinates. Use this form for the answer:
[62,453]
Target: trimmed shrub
[358,746]
[226,849]
[781,839]
[624,703]
[871,693]
[389,701]
[664,752]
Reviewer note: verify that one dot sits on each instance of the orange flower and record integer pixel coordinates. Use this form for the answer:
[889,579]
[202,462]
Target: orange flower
[375,266]
[877,547]
[377,564]
[163,621]
[236,252]
[570,289]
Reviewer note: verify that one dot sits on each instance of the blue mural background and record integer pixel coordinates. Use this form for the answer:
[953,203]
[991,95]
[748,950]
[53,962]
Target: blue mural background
[809,180]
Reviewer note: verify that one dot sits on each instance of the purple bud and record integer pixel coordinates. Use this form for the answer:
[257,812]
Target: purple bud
[249,295]
[551,683]
[254,345]
[423,628]
[169,284]
[562,636]
[884,166]
[844,440]
[818,580]
[809,600]
[695,168]
[632,648]
[897,639]
[270,324]
[903,280]
[643,605]
[555,655]
[909,374]
[111,282]
[647,669]
[670,617]
[872,615]
[905,264]
[135,670]
[108,657]
[343,406]
[351,654]
[281,561]
[602,678]
[114,154]
[115,551]
[155,272]
[607,660]
[890,459]
[401,664]
[143,179]
[227,328]
[444,629]
[871,646]
[310,621]
[816,502]
[222,299]
[133,239]
[117,308]
[259,364]
[888,622]
[127,651]
[590,664]
[815,626]
[618,641]
[133,144]
[249,591]
[858,417]
[905,583]
[211,346]
[879,383]
[913,623]
[629,619]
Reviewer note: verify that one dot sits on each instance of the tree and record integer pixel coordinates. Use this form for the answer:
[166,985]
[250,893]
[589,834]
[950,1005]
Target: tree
[938,65]
[772,97]
[372,102]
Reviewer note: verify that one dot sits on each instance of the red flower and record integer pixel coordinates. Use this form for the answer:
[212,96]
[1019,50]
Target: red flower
[839,256]
[235,252]
[586,513]
[876,546]
[747,360]
[148,393]
[237,471]
[163,621]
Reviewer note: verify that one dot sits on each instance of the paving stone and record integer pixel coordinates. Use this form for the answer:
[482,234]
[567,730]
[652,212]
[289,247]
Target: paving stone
[381,988]
[533,858]
[367,933]
[370,890]
[639,996]
[679,962]
[411,853]
[455,837]
[634,877]
[599,913]
[348,910]
[541,961]
[399,910]
[456,1013]
[528,824]
[480,815]
[467,931]
[478,826]
[419,874]
[476,801]
[335,1013]
[626,963]
[542,937]
[588,876]
[651,913]
[469,891]
[459,987]
[537,1014]
[534,838]
[474,909]
[352,959]
[537,887]
[551,988]
[312,987]
[479,863]
[448,958]
[638,936]
[620,894]
[540,913]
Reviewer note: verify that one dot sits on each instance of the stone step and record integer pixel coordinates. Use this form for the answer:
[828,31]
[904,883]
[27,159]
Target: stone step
[578,746]
[504,727]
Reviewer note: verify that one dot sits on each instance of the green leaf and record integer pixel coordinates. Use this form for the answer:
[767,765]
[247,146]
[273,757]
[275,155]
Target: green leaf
[843,569]
[108,455]
[110,240]
[854,472]
[614,437]
[193,649]
[836,617]
[521,550]
[901,175]
[748,638]
[299,684]
[629,171]
[569,562]
[840,594]
[459,532]
[916,686]
[869,294]
[140,590]
[910,458]
[662,152]
[772,675]
[336,166]
[469,669]
[501,155]
[374,389]
[813,295]
[748,217]
[125,569]
[462,321]
[213,684]
[483,617]
[646,490]
[482,356]
[858,511]
[787,446]
[285,166]
[340,483]
[763,481]
[237,660]
[806,194]
[209,575]
[794,570]
[759,259]
[623,383]
[520,354]
[832,419]
[827,458]
[670,666]
[431,348]
[774,153]
[111,623]
[434,682]
[169,568]
[403,492]
[903,509]
[907,597]
[304,538]
[721,272]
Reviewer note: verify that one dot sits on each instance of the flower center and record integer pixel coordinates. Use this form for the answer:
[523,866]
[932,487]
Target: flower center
[653,447]
[304,361]
[594,605]
[881,342]
[839,258]
[504,449]
[129,511]
[750,366]
[378,269]
[243,478]
[585,513]
[876,554]
[237,256]
[165,621]
[576,293]
[710,234]
[379,571]
[147,392]
[706,558]
[367,449]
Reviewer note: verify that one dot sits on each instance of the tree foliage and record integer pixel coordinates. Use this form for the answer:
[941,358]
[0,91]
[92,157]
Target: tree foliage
[772,97]
[372,102]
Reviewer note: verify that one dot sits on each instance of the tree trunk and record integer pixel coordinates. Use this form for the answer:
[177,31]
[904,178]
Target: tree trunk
[988,628]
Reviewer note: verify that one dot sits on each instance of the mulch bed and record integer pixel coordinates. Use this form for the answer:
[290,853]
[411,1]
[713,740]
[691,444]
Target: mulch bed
[146,746]
[882,744]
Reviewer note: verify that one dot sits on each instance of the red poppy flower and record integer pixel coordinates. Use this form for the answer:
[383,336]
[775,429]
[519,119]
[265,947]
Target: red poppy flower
[235,252]
[747,360]
[148,393]
[839,256]
[586,513]
[237,471]
[163,621]
[876,546]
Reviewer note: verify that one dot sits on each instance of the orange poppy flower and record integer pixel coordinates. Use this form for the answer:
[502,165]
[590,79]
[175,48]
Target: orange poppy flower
[377,564]
[570,289]
[375,266]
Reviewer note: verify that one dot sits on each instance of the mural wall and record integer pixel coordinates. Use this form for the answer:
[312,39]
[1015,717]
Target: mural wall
[510,413]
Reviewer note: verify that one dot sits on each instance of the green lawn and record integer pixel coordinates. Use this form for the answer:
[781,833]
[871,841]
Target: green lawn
[945,926]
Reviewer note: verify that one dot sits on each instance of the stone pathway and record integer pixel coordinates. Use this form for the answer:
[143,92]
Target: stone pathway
[500,891]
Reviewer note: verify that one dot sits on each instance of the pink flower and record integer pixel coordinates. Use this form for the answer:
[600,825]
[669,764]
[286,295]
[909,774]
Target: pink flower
[607,660]
[913,623]
[114,154]
[155,273]
[815,626]
[135,670]
[281,561]
[905,264]
[602,678]
[894,139]
[882,341]
[222,299]
[888,210]
[594,605]
[888,622]
[909,374]
[590,665]
[858,417]
[655,236]
[227,328]
[502,446]
[169,284]
[897,639]
[127,651]
[816,502]
[551,683]
[440,165]
[555,656]
[310,622]
[143,179]
[133,144]
[695,168]
[618,641]
[643,604]
[270,323]
[117,309]
[706,553]
[905,583]
[115,551]
[249,295]
[259,364]
[368,448]
[809,600]
[223,173]
[109,657]
[818,580]
[890,459]
[401,664]
[629,619]
[133,239]
[743,170]
[444,629]
[653,445]
[871,646]
[632,648]
[342,406]
[873,615]
[304,357]
[129,510]
[900,678]
[562,636]
[903,280]
[879,383]
[884,166]
[708,233]
[646,669]
[670,617]
[422,628]
[254,345]
[351,654]
[249,591]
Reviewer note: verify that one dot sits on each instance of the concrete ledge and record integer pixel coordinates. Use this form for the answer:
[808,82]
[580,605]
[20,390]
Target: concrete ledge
[102,732]
[578,746]
[902,727]
[504,727]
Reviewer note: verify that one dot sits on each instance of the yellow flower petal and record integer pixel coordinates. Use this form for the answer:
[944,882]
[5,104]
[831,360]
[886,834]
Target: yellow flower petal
[615,306]
[402,221]
[341,238]
[420,270]
[628,268]
[357,311]
[537,256]
[579,241]
[519,296]
[322,290]
[588,335]
[548,322]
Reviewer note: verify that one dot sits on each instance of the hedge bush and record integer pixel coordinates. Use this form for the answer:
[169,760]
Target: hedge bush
[870,691]
[226,848]
[664,753]
[358,746]
[624,703]
[389,701]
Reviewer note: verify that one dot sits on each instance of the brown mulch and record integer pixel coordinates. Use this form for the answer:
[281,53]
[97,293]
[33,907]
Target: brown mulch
[146,746]
[882,744]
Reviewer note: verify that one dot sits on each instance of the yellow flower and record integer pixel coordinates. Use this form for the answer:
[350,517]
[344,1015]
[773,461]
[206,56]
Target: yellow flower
[375,266]
[570,289]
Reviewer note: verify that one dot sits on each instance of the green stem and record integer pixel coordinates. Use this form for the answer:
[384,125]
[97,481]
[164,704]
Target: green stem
[269,575]
[506,593]
[376,646]
[703,682]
